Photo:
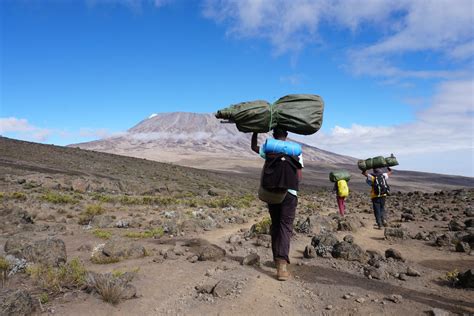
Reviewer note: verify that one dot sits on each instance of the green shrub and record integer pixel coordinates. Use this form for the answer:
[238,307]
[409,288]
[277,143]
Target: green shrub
[4,268]
[70,275]
[263,227]
[18,196]
[148,200]
[2,195]
[108,286]
[44,298]
[103,198]
[452,277]
[91,210]
[104,259]
[103,234]
[58,198]
[156,232]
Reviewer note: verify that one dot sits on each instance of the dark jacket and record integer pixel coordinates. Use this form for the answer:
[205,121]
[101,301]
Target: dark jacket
[279,172]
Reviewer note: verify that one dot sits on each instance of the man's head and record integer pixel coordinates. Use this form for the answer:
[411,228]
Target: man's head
[279,133]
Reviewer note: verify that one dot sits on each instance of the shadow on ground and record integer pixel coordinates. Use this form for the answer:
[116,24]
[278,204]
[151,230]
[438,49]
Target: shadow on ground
[322,275]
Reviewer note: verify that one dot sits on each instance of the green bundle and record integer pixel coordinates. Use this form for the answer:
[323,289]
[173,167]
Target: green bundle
[391,161]
[297,113]
[337,175]
[377,162]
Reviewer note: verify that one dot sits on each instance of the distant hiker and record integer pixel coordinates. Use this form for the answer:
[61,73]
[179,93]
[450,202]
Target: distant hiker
[380,189]
[342,191]
[281,174]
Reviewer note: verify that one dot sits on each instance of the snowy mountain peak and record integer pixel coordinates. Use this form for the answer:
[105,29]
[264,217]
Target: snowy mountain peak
[152,116]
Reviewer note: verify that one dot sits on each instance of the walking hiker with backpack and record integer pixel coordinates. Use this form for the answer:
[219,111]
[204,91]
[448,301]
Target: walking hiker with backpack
[280,177]
[380,189]
[342,191]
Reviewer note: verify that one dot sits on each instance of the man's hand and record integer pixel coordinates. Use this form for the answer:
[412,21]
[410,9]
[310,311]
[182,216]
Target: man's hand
[254,144]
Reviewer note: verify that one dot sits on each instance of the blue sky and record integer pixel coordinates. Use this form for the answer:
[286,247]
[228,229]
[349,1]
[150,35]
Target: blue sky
[396,76]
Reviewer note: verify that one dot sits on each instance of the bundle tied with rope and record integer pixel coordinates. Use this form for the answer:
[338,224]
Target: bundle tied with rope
[297,113]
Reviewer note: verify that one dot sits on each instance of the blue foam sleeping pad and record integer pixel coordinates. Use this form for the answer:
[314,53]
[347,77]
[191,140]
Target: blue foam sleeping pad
[276,146]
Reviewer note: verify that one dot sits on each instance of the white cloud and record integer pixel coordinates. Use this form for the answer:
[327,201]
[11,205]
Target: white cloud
[445,127]
[12,124]
[22,127]
[404,26]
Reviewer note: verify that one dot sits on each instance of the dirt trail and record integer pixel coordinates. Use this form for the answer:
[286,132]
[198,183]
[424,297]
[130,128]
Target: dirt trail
[316,288]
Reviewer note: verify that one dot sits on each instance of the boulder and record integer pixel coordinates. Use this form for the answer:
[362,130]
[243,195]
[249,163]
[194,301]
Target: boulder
[322,224]
[323,244]
[393,253]
[349,239]
[303,227]
[116,250]
[374,257]
[422,236]
[350,252]
[49,251]
[456,225]
[469,212]
[102,221]
[439,312]
[309,252]
[463,247]
[326,239]
[251,259]
[395,298]
[234,239]
[80,185]
[466,279]
[444,240]
[375,273]
[408,217]
[469,222]
[16,302]
[205,288]
[211,253]
[190,225]
[348,223]
[264,241]
[412,272]
[15,244]
[396,233]
[223,288]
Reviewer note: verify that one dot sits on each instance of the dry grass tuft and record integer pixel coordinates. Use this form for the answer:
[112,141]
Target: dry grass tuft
[108,286]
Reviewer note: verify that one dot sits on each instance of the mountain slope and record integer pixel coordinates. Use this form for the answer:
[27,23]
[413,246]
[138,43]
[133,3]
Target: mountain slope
[194,139]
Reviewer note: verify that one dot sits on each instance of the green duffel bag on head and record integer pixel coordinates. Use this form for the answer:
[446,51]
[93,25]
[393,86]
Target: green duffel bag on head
[391,161]
[272,196]
[371,163]
[255,116]
[361,165]
[335,176]
[299,113]
[378,162]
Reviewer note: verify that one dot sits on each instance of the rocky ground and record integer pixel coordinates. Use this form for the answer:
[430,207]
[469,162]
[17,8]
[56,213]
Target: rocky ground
[108,235]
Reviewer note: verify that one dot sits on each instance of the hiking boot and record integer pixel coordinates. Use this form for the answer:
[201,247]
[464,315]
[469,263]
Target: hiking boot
[282,270]
[384,223]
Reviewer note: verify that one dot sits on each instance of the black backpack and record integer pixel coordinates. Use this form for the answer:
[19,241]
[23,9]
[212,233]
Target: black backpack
[381,186]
